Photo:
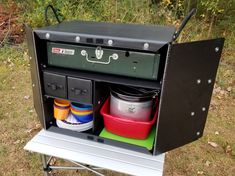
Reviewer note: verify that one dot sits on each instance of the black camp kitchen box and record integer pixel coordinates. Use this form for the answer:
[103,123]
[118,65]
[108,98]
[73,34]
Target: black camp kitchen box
[92,56]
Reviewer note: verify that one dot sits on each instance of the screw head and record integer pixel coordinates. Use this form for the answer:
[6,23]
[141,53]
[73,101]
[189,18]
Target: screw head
[110,42]
[77,39]
[47,35]
[198,133]
[146,46]
[216,49]
[209,81]
[198,81]
[192,113]
[203,109]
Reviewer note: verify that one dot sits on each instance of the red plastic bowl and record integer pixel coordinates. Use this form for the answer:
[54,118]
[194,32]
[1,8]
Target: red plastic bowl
[124,127]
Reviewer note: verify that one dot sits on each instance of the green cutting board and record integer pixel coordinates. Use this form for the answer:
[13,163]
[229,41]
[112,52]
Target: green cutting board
[147,143]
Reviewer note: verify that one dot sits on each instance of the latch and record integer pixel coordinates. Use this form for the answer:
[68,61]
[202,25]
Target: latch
[79,91]
[54,86]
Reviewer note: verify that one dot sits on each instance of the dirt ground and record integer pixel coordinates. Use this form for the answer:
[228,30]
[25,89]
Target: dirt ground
[11,30]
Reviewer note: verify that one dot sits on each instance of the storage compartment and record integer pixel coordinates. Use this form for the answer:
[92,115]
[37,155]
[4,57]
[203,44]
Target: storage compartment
[90,121]
[69,115]
[97,59]
[55,85]
[80,90]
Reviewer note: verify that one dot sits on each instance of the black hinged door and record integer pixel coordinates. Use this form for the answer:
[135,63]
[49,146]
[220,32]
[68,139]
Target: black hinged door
[36,87]
[188,82]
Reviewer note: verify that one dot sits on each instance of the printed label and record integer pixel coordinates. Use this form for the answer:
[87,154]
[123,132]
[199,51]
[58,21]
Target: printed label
[63,51]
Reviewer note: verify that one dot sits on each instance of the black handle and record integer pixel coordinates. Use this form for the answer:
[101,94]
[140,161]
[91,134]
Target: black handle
[185,21]
[54,86]
[54,11]
[79,91]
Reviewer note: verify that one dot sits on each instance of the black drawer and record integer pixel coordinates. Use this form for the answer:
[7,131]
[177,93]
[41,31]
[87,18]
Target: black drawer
[55,85]
[80,90]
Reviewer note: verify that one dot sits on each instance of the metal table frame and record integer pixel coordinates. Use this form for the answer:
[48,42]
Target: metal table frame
[47,167]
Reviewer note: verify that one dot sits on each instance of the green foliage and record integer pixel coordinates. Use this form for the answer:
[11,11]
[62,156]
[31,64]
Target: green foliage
[213,18]
[138,11]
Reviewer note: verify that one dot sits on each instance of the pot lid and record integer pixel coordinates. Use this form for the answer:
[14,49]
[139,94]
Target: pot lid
[133,94]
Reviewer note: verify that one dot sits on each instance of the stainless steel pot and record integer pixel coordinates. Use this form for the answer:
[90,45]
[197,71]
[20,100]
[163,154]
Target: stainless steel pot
[130,103]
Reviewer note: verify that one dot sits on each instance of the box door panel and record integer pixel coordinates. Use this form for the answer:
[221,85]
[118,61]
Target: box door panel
[188,82]
[37,95]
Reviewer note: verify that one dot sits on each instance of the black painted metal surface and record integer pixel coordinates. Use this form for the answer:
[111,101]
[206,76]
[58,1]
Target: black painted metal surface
[55,84]
[80,90]
[130,36]
[36,87]
[188,79]
[188,82]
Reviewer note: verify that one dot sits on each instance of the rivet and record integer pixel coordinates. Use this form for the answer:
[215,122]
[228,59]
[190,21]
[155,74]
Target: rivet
[47,35]
[77,39]
[209,81]
[198,133]
[198,81]
[99,102]
[134,68]
[216,49]
[30,58]
[115,56]
[146,46]
[33,85]
[110,42]
[83,52]
[192,113]
[203,109]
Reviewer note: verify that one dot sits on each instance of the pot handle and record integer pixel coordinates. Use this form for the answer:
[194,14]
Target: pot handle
[183,24]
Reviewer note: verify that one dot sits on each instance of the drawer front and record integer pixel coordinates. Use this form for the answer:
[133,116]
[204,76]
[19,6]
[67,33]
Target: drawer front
[80,90]
[55,85]
[97,59]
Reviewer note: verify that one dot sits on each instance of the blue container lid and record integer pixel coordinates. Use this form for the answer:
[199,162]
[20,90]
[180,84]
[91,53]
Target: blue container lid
[80,106]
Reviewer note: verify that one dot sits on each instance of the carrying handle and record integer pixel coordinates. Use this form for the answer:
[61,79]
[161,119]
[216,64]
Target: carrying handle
[54,11]
[185,21]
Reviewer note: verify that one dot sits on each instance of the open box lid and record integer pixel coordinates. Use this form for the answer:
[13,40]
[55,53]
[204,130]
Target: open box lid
[129,36]
[97,154]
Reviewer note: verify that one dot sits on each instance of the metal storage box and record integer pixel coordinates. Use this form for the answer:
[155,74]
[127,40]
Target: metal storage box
[79,61]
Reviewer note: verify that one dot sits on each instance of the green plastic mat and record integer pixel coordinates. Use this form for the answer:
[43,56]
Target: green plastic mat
[147,143]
